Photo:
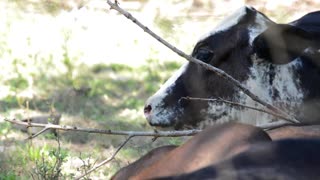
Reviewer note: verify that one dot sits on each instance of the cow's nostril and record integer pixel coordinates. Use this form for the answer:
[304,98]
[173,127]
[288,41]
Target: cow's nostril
[147,109]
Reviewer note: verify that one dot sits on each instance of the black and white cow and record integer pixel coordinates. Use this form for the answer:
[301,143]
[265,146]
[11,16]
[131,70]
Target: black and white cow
[278,62]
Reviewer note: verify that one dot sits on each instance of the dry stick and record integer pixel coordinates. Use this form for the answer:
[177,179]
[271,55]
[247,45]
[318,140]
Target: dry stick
[102,131]
[238,104]
[40,132]
[107,160]
[274,125]
[217,71]
[128,133]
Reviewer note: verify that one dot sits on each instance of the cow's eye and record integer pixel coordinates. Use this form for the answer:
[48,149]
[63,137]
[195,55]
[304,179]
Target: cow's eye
[204,55]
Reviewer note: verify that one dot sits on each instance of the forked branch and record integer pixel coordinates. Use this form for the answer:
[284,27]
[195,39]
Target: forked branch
[105,131]
[130,134]
[105,161]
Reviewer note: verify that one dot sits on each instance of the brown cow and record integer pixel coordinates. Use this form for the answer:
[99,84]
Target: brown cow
[293,159]
[311,131]
[211,146]
[142,163]
[222,150]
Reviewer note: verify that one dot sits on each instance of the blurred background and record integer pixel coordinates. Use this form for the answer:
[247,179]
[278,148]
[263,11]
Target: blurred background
[95,68]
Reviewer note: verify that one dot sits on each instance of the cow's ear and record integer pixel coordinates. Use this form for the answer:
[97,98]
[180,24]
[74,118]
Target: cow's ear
[281,43]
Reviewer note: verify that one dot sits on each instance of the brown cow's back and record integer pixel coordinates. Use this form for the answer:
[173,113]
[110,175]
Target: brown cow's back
[142,163]
[293,159]
[208,147]
[311,131]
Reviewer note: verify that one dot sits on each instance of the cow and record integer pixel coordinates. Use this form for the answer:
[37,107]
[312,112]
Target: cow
[144,162]
[297,132]
[211,146]
[293,159]
[280,63]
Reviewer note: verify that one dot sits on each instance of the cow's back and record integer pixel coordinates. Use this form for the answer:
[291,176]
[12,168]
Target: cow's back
[298,132]
[208,147]
[286,159]
[142,163]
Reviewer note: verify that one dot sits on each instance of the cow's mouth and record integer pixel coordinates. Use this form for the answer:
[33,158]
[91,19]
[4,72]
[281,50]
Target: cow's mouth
[164,118]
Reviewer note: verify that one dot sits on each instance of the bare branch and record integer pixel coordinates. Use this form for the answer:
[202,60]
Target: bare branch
[241,105]
[40,132]
[274,125]
[102,131]
[155,134]
[217,71]
[107,160]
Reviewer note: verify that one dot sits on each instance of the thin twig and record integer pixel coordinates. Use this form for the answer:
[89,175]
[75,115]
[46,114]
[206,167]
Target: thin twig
[40,132]
[275,125]
[217,71]
[102,131]
[107,160]
[240,105]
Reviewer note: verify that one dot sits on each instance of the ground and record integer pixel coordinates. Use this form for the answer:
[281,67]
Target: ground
[96,68]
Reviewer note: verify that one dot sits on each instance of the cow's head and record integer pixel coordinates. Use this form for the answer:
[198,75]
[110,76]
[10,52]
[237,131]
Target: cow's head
[248,46]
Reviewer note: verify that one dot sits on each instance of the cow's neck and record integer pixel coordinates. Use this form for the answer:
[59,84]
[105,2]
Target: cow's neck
[275,84]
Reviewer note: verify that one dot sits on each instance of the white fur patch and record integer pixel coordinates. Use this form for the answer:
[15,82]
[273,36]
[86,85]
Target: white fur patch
[227,23]
[259,27]
[290,96]
[158,114]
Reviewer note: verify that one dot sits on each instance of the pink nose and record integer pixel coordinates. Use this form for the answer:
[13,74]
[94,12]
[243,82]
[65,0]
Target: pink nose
[147,110]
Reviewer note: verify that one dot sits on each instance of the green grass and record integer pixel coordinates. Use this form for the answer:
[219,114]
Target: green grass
[10,175]
[17,83]
[107,96]
[98,91]
[28,160]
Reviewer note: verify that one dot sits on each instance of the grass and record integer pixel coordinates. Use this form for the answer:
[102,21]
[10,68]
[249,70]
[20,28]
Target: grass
[56,74]
[98,91]
[101,96]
